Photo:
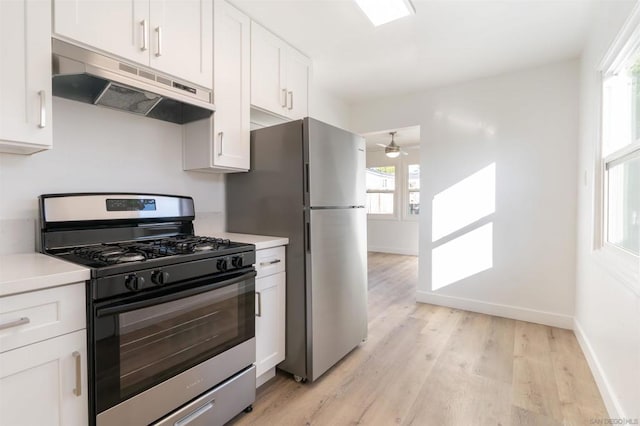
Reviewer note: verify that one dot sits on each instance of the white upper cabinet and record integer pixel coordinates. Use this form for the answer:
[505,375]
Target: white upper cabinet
[279,75]
[221,143]
[118,27]
[25,76]
[297,85]
[181,39]
[268,84]
[174,37]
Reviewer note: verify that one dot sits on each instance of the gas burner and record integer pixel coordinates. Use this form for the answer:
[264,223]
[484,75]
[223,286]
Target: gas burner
[183,244]
[131,257]
[111,253]
[203,247]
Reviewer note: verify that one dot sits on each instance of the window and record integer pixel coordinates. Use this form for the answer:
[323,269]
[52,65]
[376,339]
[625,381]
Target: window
[621,153]
[413,187]
[381,187]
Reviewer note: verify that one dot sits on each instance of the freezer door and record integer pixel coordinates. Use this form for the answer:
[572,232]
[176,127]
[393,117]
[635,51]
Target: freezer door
[336,166]
[338,286]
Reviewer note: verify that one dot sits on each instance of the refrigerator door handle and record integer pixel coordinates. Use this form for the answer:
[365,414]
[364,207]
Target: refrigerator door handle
[306,177]
[308,236]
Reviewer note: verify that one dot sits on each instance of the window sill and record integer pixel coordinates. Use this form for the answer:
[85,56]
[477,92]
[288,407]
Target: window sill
[624,267]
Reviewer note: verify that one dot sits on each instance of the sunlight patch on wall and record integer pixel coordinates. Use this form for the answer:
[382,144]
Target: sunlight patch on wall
[464,203]
[462,257]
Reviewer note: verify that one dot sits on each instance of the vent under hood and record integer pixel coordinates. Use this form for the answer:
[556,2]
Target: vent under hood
[86,76]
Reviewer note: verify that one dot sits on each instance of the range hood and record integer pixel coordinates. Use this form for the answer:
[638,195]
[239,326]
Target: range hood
[86,76]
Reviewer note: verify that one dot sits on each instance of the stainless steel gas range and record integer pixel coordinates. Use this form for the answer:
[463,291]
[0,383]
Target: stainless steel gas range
[171,326]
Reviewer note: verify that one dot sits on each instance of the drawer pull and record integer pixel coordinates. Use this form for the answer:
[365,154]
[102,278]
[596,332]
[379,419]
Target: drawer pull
[77,391]
[259,314]
[15,323]
[193,416]
[273,262]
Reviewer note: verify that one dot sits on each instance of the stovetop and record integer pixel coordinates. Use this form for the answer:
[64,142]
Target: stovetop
[127,256]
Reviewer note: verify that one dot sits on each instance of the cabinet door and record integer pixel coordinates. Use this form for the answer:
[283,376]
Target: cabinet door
[25,76]
[297,85]
[270,322]
[181,35]
[268,52]
[231,77]
[45,383]
[117,27]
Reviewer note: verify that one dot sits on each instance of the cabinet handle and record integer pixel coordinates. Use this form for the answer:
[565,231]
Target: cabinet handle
[77,391]
[259,314]
[221,136]
[15,323]
[145,35]
[291,99]
[43,109]
[273,262]
[159,31]
[284,98]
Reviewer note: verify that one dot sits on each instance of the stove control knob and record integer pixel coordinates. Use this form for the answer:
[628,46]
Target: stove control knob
[160,278]
[236,261]
[222,265]
[133,282]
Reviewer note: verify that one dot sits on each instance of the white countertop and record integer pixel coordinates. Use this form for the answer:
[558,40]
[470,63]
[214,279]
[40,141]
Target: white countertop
[260,241]
[34,271]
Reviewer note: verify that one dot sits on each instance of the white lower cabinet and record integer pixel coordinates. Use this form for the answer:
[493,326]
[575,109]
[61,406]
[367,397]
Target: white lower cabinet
[45,383]
[43,357]
[270,312]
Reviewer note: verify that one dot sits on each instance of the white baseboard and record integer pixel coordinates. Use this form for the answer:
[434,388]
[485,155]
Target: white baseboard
[506,311]
[393,250]
[610,401]
[265,377]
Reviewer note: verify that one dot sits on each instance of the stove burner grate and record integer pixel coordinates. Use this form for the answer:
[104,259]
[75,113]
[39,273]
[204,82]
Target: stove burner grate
[113,253]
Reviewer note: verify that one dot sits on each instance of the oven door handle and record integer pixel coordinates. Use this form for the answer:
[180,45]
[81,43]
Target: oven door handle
[121,308]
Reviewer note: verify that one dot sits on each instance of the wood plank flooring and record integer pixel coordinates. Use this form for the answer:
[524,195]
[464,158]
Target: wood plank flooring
[431,365]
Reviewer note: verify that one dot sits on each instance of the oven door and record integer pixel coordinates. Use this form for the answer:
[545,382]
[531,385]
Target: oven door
[145,340]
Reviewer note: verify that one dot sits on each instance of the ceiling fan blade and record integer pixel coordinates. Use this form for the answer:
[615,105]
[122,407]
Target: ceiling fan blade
[382,145]
[404,153]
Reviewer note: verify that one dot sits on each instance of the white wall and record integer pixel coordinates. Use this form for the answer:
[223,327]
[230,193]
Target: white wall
[527,124]
[399,234]
[607,314]
[327,107]
[97,149]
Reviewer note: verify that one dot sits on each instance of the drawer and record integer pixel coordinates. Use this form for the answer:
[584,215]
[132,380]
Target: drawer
[39,315]
[219,405]
[270,261]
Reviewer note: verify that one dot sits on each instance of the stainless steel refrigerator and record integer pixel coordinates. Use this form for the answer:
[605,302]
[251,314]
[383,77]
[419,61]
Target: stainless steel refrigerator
[307,183]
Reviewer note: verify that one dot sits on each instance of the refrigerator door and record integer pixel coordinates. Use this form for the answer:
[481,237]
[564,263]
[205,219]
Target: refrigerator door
[337,290]
[335,161]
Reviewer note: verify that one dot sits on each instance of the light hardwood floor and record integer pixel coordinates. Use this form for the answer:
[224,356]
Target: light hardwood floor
[431,365]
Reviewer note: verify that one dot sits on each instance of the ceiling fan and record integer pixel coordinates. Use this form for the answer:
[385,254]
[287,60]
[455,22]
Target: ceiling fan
[392,150]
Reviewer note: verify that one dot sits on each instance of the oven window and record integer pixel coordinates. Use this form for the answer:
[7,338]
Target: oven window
[149,345]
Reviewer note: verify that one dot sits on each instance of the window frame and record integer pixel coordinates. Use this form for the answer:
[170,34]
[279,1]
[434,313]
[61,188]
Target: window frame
[407,192]
[622,264]
[386,216]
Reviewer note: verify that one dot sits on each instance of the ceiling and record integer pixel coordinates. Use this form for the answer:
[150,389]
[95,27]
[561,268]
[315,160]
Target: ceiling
[447,41]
